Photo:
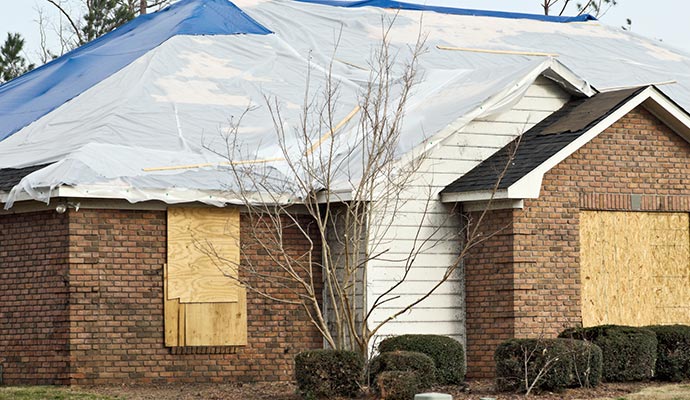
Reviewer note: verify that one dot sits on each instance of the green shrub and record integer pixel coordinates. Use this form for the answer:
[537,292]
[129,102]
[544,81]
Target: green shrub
[673,352]
[587,363]
[552,364]
[398,385]
[447,353]
[420,363]
[629,352]
[328,373]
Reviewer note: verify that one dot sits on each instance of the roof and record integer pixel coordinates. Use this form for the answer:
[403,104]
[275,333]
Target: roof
[144,112]
[400,5]
[540,143]
[42,90]
[9,177]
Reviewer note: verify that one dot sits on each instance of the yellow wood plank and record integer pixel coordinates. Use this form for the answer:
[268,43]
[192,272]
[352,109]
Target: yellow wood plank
[171,310]
[217,324]
[203,254]
[635,268]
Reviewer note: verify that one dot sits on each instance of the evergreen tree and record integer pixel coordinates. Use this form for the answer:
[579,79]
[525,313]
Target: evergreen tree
[102,16]
[105,15]
[12,63]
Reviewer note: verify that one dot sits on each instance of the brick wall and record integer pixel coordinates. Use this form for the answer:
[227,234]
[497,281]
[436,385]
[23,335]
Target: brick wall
[117,309]
[638,156]
[81,302]
[33,298]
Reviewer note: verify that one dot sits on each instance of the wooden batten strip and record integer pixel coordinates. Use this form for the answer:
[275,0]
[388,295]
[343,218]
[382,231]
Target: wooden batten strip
[492,51]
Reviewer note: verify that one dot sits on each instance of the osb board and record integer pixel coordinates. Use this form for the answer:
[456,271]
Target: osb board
[205,324]
[635,268]
[203,254]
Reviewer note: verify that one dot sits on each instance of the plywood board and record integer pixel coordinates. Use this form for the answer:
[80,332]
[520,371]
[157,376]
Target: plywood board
[171,314]
[205,324]
[203,254]
[217,324]
[635,268]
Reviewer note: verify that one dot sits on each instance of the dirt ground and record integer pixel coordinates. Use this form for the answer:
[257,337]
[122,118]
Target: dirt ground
[476,390]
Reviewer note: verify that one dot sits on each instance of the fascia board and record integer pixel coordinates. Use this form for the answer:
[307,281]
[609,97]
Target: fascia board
[674,116]
[480,195]
[568,79]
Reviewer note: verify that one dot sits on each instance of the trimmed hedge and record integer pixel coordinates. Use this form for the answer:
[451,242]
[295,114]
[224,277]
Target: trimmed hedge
[447,353]
[420,363]
[398,385]
[673,352]
[629,352]
[328,373]
[562,363]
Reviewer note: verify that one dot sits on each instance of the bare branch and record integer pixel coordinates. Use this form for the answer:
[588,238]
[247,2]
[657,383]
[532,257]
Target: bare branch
[69,19]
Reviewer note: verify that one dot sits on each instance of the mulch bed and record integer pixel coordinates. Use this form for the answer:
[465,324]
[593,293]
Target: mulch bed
[286,391]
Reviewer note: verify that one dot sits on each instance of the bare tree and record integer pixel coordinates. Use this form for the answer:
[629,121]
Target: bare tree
[598,8]
[345,229]
[85,20]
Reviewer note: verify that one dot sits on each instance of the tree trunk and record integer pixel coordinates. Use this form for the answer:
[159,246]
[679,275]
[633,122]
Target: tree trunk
[142,7]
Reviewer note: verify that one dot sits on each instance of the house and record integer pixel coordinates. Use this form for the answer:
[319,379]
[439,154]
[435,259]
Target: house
[556,147]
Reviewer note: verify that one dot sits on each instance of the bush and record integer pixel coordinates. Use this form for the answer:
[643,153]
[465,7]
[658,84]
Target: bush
[673,352]
[629,352]
[398,385]
[587,363]
[447,353]
[328,373]
[554,364]
[412,361]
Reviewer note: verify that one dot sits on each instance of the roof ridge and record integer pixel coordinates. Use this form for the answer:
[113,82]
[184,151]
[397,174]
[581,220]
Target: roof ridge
[401,5]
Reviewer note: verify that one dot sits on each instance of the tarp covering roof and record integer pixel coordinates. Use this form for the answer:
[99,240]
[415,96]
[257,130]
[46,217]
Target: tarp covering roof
[35,94]
[400,5]
[169,88]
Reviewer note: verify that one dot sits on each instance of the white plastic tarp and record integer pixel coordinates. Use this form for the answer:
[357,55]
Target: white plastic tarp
[176,105]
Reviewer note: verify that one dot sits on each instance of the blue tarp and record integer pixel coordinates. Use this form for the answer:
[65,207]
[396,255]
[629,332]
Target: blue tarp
[448,10]
[33,95]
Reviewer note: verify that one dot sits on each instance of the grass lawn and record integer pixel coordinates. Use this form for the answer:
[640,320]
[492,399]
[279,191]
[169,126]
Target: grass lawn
[670,392]
[47,393]
[283,392]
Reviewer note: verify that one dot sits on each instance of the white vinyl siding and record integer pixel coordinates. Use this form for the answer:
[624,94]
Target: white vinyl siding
[444,312]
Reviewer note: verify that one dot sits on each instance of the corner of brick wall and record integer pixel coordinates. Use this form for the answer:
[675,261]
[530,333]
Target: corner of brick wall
[489,284]
[538,289]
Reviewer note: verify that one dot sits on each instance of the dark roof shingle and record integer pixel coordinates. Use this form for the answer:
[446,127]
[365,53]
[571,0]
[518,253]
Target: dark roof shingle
[9,177]
[541,142]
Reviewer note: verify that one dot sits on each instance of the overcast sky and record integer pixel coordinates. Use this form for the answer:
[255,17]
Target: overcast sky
[665,20]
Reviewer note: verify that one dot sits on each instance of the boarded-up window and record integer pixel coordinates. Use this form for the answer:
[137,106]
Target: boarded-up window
[204,303]
[635,268]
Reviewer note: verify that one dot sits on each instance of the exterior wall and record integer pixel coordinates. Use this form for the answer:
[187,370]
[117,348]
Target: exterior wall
[117,309]
[81,301]
[419,215]
[489,285]
[34,327]
[638,155]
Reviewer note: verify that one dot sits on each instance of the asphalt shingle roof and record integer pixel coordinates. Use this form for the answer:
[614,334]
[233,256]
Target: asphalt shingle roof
[9,177]
[541,142]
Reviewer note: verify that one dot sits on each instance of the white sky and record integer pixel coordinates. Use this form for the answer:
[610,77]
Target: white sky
[665,20]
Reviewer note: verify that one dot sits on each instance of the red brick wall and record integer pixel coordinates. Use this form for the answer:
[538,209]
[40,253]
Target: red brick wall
[117,309]
[34,326]
[81,302]
[638,155]
[489,289]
